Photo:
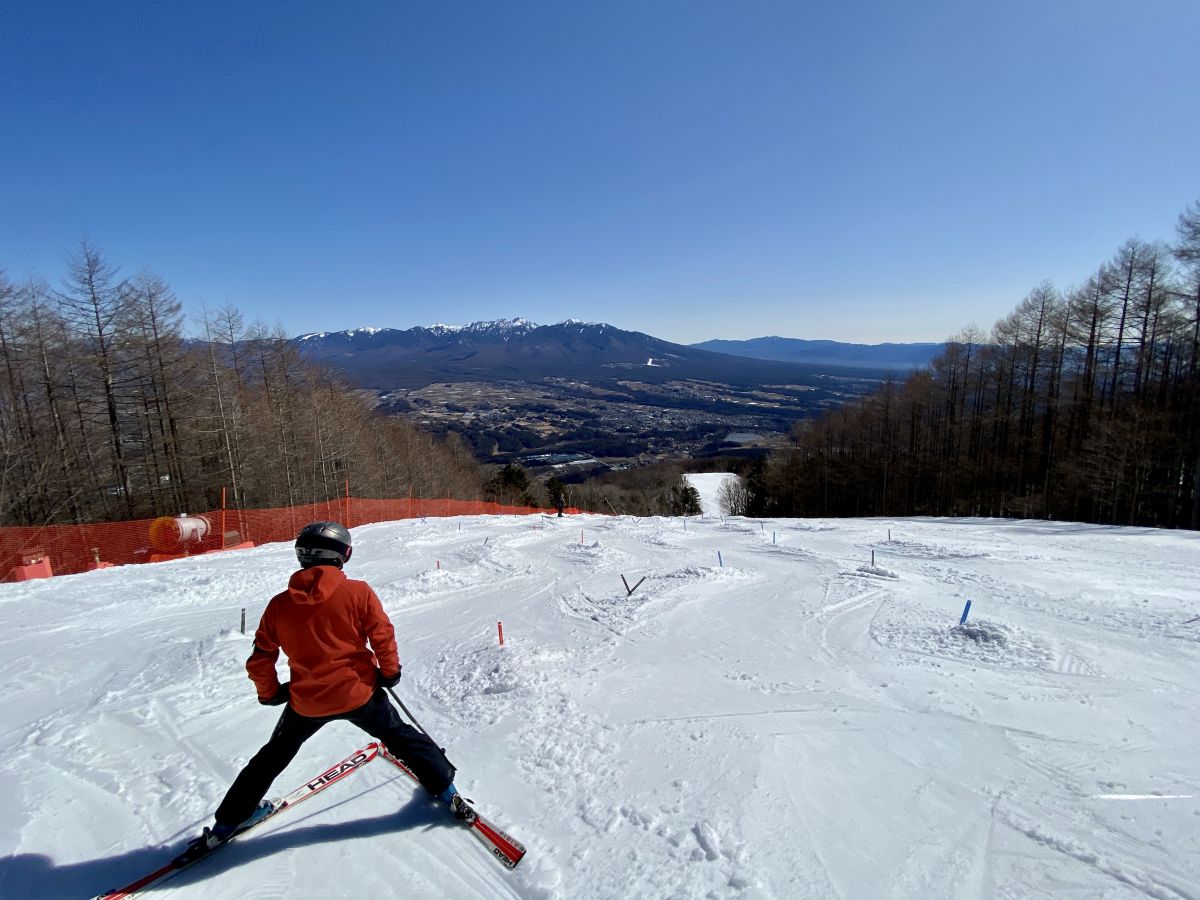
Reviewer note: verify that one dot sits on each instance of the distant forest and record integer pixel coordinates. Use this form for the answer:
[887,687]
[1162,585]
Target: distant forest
[107,413]
[1081,404]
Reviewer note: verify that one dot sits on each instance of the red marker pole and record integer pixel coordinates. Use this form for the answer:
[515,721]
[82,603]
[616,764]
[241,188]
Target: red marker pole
[500,631]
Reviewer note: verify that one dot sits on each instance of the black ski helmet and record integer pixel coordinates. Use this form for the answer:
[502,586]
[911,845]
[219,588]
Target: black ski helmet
[323,544]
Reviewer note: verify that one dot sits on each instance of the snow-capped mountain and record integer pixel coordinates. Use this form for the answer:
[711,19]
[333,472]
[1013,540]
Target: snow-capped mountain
[517,349]
[500,328]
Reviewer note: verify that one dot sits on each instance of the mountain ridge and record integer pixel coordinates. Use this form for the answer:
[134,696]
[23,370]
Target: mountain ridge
[890,355]
[519,349]
[515,389]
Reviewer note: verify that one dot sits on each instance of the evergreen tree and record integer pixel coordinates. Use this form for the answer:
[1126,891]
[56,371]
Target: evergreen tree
[684,499]
[510,487]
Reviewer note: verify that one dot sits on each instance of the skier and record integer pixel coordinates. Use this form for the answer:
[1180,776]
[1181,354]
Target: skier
[323,622]
[558,494]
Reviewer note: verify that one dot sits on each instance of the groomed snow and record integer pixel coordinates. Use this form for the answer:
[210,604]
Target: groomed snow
[708,486]
[798,720]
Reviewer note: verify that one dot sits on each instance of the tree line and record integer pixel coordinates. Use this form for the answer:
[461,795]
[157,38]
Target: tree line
[108,412]
[1081,404]
[654,490]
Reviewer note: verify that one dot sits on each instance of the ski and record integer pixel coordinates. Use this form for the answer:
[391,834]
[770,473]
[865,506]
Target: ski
[503,846]
[190,857]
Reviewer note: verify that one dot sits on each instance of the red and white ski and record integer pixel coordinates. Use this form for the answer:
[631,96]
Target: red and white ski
[502,846]
[332,775]
[507,849]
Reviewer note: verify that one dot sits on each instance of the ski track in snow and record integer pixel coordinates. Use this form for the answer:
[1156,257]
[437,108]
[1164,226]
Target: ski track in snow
[791,719]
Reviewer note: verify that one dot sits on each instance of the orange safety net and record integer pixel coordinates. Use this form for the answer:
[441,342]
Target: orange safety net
[31,552]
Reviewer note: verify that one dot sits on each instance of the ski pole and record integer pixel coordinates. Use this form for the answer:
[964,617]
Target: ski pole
[409,714]
[420,728]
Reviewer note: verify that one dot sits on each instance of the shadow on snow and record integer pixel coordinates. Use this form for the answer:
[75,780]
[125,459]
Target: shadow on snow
[36,877]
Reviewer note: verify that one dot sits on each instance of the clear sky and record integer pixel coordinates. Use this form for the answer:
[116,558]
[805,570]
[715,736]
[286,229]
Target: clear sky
[865,171]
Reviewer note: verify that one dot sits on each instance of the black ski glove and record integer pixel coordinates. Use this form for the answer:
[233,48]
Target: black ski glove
[280,697]
[387,681]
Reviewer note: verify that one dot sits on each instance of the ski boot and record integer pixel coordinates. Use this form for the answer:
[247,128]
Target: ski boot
[460,806]
[220,833]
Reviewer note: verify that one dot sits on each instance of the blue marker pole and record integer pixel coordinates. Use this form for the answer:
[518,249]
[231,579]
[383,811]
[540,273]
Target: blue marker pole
[966,609]
[720,561]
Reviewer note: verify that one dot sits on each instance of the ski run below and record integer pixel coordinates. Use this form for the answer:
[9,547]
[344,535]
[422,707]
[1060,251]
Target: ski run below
[781,708]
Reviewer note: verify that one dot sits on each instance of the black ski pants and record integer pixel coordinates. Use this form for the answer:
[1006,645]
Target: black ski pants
[377,717]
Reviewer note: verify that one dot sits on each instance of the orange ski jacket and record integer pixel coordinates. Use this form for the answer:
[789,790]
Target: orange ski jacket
[323,622]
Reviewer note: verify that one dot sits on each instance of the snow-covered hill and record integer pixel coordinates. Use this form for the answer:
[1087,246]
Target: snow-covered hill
[791,720]
[708,485]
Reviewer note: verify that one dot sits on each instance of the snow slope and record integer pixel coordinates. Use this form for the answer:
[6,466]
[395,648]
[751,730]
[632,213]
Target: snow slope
[796,722]
[708,486]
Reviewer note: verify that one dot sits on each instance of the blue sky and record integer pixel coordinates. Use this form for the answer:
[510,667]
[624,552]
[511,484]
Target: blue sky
[872,171]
